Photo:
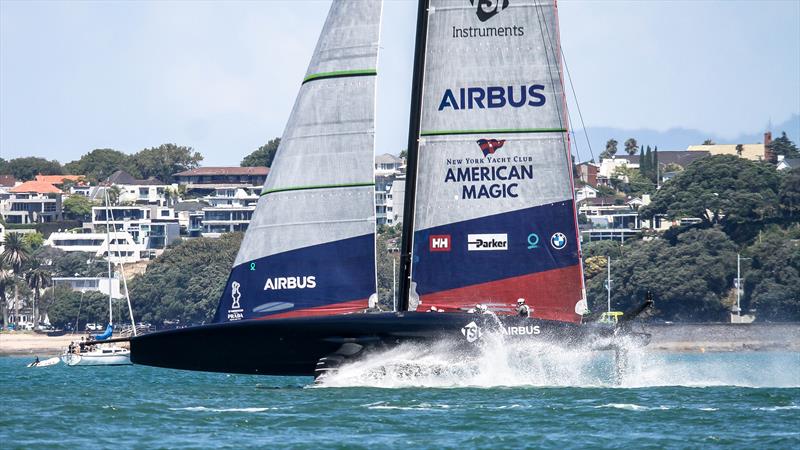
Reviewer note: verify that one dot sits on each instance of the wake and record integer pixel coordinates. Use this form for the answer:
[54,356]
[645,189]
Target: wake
[497,363]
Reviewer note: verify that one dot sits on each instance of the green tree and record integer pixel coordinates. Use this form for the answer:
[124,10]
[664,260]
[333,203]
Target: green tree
[387,243]
[784,146]
[721,189]
[404,154]
[33,240]
[263,156]
[739,150]
[611,149]
[631,146]
[186,282]
[709,142]
[68,305]
[631,181]
[38,279]
[78,207]
[28,167]
[6,281]
[99,164]
[772,283]
[689,279]
[165,160]
[790,195]
[15,255]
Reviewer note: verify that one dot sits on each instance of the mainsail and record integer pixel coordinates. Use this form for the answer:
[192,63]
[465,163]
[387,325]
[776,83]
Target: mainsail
[310,246]
[494,217]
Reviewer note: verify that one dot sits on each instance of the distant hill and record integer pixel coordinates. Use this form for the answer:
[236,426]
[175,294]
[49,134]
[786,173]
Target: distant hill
[672,139]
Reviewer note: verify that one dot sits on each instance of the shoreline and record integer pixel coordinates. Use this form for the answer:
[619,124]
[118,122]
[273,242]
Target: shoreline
[679,338]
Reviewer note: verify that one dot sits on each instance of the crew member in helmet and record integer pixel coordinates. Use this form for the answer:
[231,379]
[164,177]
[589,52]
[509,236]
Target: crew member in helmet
[523,310]
[480,308]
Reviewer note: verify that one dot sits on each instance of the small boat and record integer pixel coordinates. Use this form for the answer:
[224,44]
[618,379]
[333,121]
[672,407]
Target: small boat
[101,355]
[490,235]
[98,351]
[47,362]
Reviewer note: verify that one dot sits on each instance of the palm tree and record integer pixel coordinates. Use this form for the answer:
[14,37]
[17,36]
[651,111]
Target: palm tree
[6,279]
[15,255]
[38,279]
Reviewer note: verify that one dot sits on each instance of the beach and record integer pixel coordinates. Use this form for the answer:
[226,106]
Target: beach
[720,337]
[28,343]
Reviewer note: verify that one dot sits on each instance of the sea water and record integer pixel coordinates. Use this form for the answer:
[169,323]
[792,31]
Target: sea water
[415,398]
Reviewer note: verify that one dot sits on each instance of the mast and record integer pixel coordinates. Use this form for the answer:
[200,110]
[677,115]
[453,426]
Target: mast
[413,149]
[608,282]
[108,258]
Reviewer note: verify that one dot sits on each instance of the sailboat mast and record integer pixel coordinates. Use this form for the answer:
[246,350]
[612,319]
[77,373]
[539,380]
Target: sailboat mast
[108,258]
[413,149]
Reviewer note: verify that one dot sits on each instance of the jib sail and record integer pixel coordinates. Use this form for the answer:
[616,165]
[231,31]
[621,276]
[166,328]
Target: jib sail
[494,216]
[310,246]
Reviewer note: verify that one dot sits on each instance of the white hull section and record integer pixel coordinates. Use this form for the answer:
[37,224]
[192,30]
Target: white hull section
[110,356]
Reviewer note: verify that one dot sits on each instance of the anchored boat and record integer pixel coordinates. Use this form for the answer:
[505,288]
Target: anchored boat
[490,236]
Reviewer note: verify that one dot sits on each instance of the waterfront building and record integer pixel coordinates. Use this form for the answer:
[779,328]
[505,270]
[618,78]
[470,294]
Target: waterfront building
[31,202]
[230,210]
[144,192]
[221,177]
[94,284]
[754,152]
[154,227]
[124,249]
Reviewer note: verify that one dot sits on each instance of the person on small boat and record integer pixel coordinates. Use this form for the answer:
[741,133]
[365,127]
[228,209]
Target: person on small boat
[36,361]
[523,310]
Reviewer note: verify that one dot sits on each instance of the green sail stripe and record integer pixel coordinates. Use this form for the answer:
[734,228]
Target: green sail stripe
[341,73]
[321,186]
[495,131]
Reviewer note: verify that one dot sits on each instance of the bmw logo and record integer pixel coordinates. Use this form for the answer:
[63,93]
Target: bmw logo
[558,241]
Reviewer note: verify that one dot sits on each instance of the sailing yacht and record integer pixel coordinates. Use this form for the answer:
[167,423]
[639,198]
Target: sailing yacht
[490,221]
[100,350]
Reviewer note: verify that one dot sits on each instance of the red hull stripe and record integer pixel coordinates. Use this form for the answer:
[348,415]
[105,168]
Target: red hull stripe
[326,310]
[551,294]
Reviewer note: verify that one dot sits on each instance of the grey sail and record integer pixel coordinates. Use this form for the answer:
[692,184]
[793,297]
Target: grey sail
[310,246]
[494,216]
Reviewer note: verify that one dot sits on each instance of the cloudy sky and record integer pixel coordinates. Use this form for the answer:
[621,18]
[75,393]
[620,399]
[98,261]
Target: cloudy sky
[222,77]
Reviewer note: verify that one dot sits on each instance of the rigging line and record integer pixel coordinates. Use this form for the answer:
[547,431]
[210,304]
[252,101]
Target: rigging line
[541,19]
[572,87]
[577,104]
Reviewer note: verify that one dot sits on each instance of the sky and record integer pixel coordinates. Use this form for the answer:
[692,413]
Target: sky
[222,77]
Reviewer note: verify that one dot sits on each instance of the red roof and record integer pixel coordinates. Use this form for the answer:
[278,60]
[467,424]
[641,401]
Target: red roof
[224,171]
[39,187]
[58,179]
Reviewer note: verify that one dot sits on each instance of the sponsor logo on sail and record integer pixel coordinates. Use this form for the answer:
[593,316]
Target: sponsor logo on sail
[286,283]
[235,312]
[479,97]
[439,243]
[558,241]
[471,331]
[487,242]
[486,9]
[533,241]
[489,146]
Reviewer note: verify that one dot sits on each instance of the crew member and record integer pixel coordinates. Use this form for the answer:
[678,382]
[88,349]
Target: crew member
[523,310]
[480,308]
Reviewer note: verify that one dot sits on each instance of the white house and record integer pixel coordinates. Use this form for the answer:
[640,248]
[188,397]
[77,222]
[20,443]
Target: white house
[124,249]
[132,190]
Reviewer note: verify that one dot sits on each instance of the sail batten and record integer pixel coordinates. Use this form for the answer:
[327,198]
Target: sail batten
[310,245]
[494,214]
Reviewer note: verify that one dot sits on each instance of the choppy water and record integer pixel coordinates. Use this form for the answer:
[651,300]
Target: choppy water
[413,399]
